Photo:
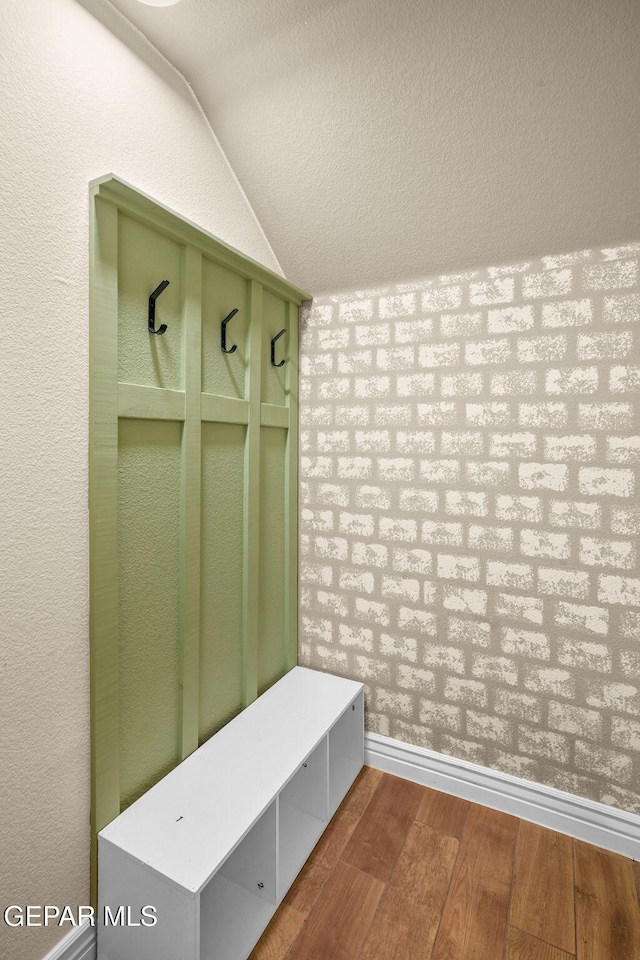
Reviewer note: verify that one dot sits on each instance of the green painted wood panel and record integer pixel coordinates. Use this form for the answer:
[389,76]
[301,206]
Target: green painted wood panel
[271,654]
[191,500]
[275,317]
[251,538]
[223,291]
[148,588]
[221,653]
[145,257]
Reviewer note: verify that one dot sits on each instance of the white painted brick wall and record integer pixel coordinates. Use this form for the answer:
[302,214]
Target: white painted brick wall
[465,600]
[585,654]
[582,617]
[626,520]
[571,380]
[575,720]
[519,445]
[597,552]
[624,379]
[542,349]
[555,581]
[548,413]
[623,449]
[518,509]
[514,704]
[514,576]
[569,448]
[538,543]
[516,607]
[490,538]
[510,320]
[488,472]
[605,416]
[622,309]
[575,513]
[543,743]
[460,324]
[543,476]
[469,513]
[599,481]
[466,503]
[548,283]
[515,383]
[492,291]
[567,313]
[526,643]
[492,414]
[472,632]
[452,567]
[437,533]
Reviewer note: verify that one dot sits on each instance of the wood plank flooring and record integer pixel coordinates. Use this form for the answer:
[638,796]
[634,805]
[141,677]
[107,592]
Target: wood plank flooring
[542,900]
[406,873]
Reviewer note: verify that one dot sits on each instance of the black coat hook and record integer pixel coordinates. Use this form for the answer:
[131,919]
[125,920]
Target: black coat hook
[152,308]
[223,334]
[273,350]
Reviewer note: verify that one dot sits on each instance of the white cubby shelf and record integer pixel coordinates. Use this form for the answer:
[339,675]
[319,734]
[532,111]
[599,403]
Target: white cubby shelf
[215,845]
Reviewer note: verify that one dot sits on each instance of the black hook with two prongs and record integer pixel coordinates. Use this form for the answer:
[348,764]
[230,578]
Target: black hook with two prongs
[273,349]
[152,308]
[223,333]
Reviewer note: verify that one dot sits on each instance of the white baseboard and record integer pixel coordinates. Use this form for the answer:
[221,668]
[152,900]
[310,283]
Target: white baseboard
[78,944]
[587,820]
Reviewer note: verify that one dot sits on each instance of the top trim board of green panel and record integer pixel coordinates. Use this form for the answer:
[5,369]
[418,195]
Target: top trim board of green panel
[137,203]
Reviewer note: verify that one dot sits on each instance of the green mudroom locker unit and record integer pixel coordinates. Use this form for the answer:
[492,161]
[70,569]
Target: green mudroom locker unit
[193,464]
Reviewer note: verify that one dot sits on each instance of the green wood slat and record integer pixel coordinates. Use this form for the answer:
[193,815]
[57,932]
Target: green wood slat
[191,506]
[272,415]
[291,500]
[103,577]
[271,650]
[150,403]
[224,409]
[251,545]
[135,202]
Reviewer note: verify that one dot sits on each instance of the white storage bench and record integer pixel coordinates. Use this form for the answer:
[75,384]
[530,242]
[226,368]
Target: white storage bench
[216,844]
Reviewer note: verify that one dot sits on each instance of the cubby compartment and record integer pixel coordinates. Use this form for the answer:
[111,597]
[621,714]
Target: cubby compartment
[302,815]
[346,752]
[239,901]
[252,863]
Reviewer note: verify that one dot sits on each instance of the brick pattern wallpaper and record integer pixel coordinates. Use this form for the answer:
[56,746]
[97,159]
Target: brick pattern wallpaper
[470,514]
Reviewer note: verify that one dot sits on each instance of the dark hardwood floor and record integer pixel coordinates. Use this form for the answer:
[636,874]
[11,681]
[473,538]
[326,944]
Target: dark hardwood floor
[406,873]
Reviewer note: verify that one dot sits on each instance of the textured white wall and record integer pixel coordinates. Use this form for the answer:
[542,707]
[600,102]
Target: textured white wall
[76,103]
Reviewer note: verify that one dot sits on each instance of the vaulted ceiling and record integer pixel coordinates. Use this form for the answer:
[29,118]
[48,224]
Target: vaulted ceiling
[389,139]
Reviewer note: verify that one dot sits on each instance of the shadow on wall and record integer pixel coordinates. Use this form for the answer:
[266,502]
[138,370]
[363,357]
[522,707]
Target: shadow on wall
[131,37]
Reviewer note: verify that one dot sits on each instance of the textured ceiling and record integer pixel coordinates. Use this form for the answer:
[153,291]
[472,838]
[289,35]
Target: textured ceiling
[389,139]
